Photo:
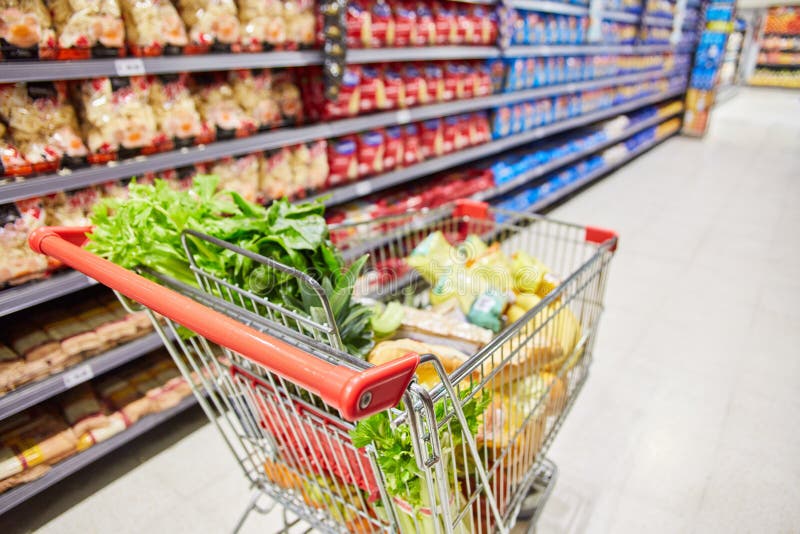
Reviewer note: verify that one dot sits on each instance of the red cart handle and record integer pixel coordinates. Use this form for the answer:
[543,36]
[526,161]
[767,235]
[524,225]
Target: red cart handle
[356,394]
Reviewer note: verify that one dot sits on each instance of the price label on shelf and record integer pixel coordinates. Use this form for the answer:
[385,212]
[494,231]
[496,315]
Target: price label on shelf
[78,375]
[403,116]
[363,188]
[129,67]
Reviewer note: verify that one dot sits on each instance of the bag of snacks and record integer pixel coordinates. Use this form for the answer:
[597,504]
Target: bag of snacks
[276,173]
[12,163]
[42,124]
[26,30]
[287,93]
[263,23]
[89,27]
[217,104]
[117,117]
[179,123]
[153,27]
[301,22]
[18,261]
[240,174]
[253,90]
[211,23]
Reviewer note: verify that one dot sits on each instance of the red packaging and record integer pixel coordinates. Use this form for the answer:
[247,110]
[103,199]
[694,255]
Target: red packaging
[479,128]
[434,78]
[382,25]
[485,25]
[405,23]
[449,133]
[393,156]
[342,160]
[373,93]
[431,138]
[482,79]
[359,24]
[426,26]
[416,88]
[394,87]
[465,24]
[412,150]
[444,19]
[452,81]
[371,151]
[462,139]
[349,102]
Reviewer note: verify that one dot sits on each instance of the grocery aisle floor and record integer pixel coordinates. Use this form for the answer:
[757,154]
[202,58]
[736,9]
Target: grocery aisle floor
[688,422]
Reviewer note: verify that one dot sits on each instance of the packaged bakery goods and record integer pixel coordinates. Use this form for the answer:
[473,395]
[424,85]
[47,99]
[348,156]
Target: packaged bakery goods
[82,409]
[301,22]
[179,122]
[42,124]
[12,163]
[26,30]
[18,263]
[253,91]
[117,118]
[318,167]
[120,394]
[217,104]
[287,93]
[276,173]
[240,174]
[212,24]
[88,28]
[263,23]
[450,358]
[153,27]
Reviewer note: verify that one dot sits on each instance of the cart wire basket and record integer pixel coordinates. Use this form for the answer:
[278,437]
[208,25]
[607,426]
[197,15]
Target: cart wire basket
[346,446]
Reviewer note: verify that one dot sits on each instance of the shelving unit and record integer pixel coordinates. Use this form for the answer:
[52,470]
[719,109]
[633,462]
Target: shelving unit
[25,296]
[31,394]
[73,464]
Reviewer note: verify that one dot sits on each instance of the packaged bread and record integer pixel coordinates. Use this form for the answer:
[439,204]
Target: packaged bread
[263,22]
[30,341]
[26,30]
[240,174]
[120,394]
[153,27]
[12,162]
[175,111]
[116,115]
[451,359]
[18,262]
[42,123]
[28,475]
[211,22]
[70,208]
[276,173]
[216,102]
[287,93]
[42,439]
[85,24]
[431,327]
[82,409]
[114,424]
[318,164]
[301,22]
[253,91]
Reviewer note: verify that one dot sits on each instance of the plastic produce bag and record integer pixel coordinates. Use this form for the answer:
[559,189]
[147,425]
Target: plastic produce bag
[88,24]
[153,27]
[42,124]
[26,30]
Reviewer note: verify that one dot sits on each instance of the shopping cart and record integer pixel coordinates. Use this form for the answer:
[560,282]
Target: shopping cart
[284,395]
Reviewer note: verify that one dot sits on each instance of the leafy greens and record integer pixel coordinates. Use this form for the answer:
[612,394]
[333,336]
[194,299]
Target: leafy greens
[145,230]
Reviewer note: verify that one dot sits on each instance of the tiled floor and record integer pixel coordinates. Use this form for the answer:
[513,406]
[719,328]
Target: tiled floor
[689,421]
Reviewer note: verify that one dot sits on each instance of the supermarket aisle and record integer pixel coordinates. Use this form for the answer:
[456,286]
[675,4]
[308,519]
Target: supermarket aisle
[687,422]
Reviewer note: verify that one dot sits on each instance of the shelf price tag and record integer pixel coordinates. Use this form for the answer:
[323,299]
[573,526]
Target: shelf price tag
[403,116]
[78,375]
[129,67]
[363,188]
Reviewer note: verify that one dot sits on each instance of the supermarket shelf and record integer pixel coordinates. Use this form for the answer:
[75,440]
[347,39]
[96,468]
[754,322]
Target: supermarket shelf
[31,394]
[421,53]
[778,66]
[621,16]
[32,293]
[650,20]
[364,187]
[586,50]
[550,7]
[19,71]
[781,35]
[561,194]
[560,162]
[73,464]
[284,137]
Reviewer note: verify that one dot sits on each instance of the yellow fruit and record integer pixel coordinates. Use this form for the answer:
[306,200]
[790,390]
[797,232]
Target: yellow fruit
[514,313]
[526,301]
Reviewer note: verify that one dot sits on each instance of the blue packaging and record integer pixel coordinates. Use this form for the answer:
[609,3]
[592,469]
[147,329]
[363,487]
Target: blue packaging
[517,121]
[501,122]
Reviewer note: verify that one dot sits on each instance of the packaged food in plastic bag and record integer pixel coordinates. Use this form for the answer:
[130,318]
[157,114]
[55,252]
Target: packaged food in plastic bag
[26,30]
[18,261]
[301,22]
[318,166]
[117,116]
[42,124]
[179,122]
[153,27]
[88,24]
[211,23]
[287,93]
[12,163]
[218,106]
[240,174]
[263,23]
[253,90]
[276,173]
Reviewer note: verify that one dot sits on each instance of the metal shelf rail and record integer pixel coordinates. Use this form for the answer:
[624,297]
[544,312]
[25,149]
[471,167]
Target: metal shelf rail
[30,294]
[65,181]
[73,464]
[384,181]
[29,395]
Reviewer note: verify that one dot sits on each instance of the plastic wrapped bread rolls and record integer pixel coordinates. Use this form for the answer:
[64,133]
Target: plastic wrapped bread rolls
[217,104]
[117,117]
[88,24]
[253,90]
[153,27]
[211,23]
[175,111]
[42,124]
[26,30]
[268,24]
